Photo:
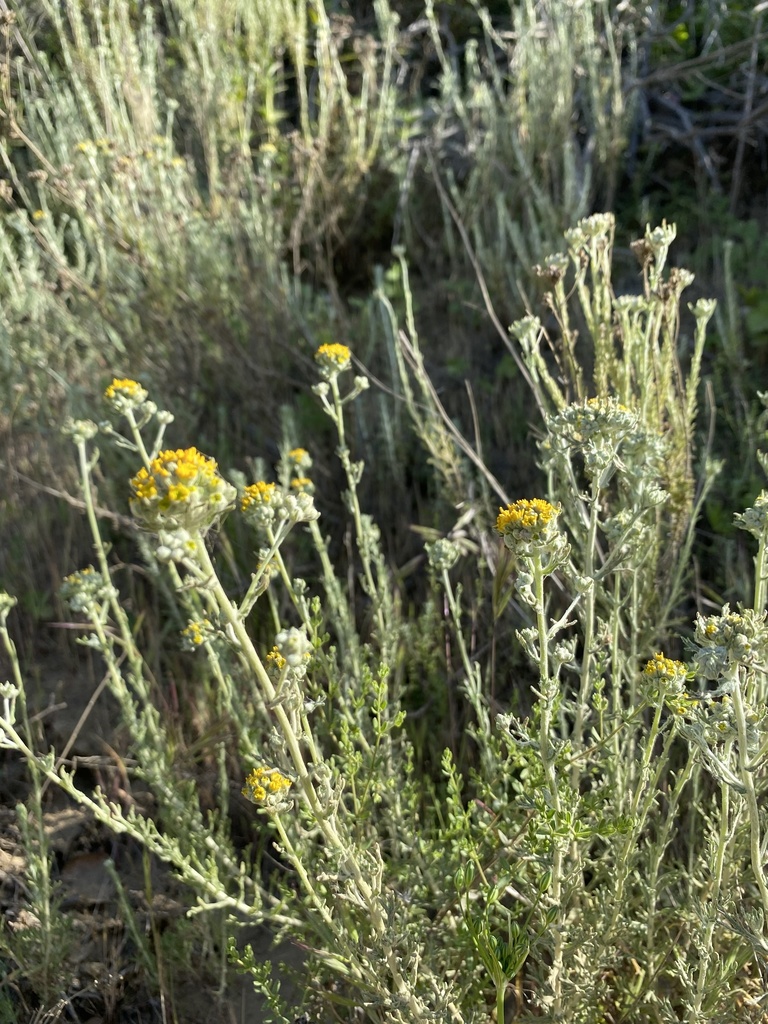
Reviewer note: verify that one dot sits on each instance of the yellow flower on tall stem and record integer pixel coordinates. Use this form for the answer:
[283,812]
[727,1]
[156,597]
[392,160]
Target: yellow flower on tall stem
[528,524]
[333,359]
[124,393]
[181,489]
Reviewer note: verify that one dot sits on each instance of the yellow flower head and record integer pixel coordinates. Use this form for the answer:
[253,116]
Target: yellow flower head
[666,672]
[533,514]
[264,785]
[181,489]
[275,663]
[598,418]
[606,405]
[261,503]
[333,359]
[196,634]
[302,485]
[300,458]
[530,524]
[123,394]
[260,493]
[665,680]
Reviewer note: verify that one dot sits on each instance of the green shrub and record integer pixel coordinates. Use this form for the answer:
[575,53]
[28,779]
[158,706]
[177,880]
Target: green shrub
[594,849]
[190,187]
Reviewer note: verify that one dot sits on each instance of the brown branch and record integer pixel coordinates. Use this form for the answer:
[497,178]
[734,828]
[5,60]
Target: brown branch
[125,522]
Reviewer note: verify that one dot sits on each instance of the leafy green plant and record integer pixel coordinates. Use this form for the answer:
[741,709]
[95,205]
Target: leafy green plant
[187,185]
[596,848]
[42,941]
[540,114]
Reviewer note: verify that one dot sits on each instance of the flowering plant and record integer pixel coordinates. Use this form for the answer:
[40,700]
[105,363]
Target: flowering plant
[528,865]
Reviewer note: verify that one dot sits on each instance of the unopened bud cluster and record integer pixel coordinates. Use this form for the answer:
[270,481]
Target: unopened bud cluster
[264,504]
[665,679]
[85,590]
[729,641]
[755,519]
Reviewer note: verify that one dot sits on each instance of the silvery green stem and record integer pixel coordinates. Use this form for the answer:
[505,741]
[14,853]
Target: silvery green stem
[760,575]
[705,955]
[137,438]
[747,779]
[756,689]
[148,836]
[548,765]
[42,898]
[648,786]
[362,542]
[326,821]
[659,847]
[126,634]
[338,606]
[589,629]
[252,594]
[455,611]
[317,900]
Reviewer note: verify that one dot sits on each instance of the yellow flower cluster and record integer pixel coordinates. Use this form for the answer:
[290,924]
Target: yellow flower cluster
[665,670]
[333,359]
[79,577]
[529,527]
[719,719]
[89,146]
[260,493]
[196,633]
[300,461]
[275,658]
[172,476]
[300,457]
[106,147]
[598,428]
[124,393]
[601,404]
[728,640]
[181,489]
[731,629]
[264,782]
[532,515]
[262,503]
[666,679]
